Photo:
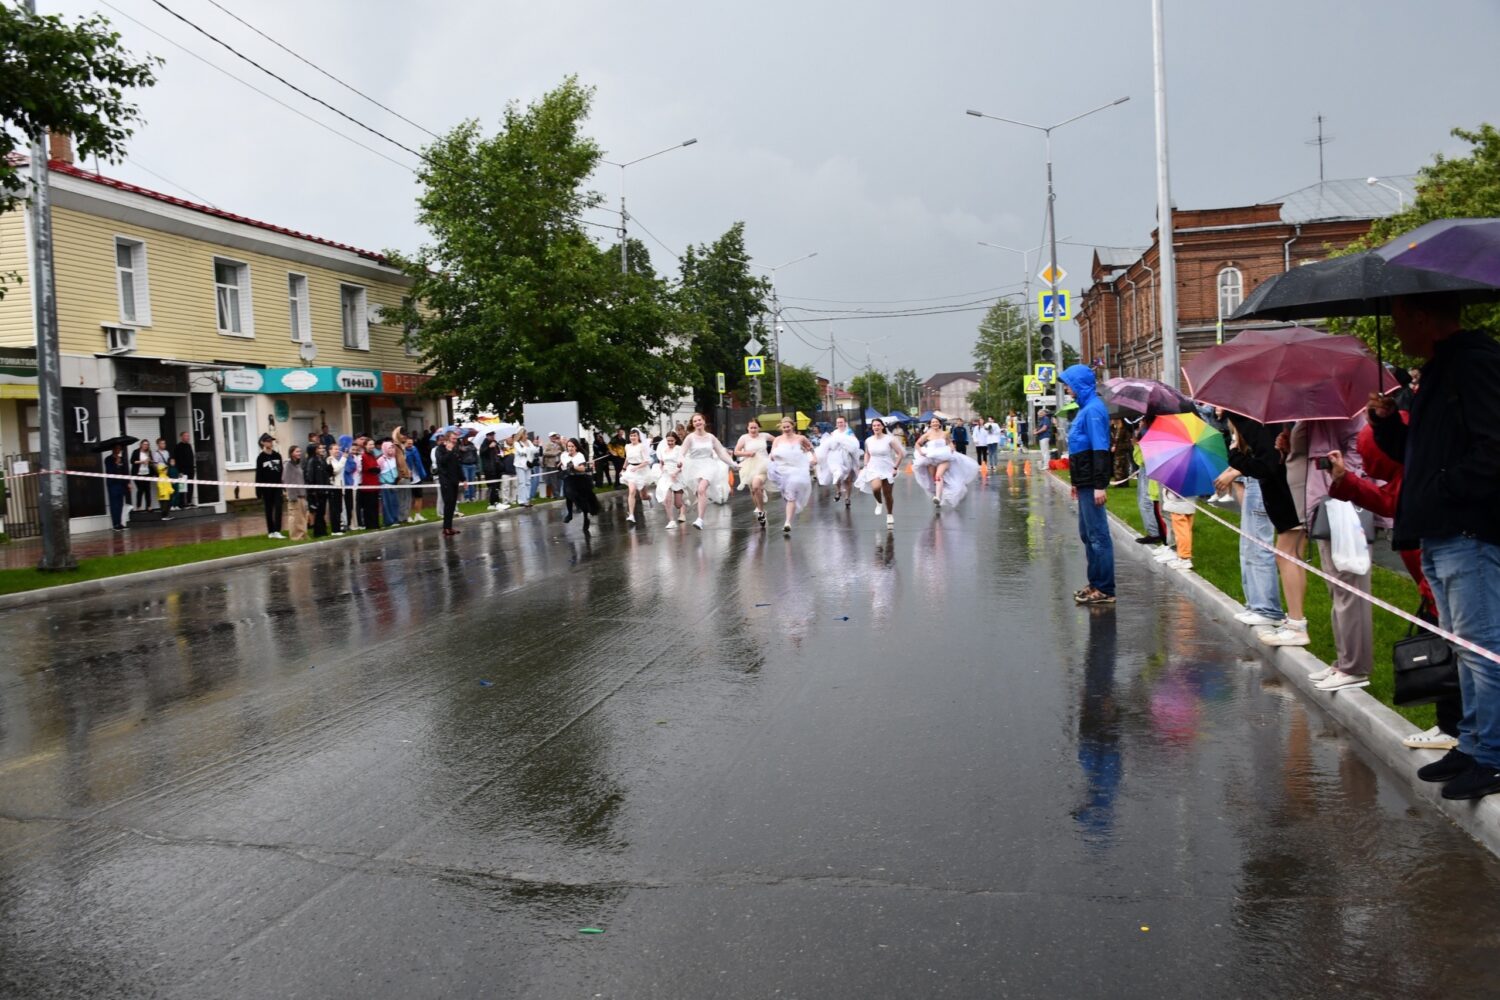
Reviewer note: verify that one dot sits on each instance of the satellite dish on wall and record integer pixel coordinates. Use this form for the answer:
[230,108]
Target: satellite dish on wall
[308,352]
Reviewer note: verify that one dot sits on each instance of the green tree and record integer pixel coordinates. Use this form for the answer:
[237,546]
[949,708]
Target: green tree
[1467,186]
[66,78]
[873,389]
[511,301]
[723,303]
[1000,357]
[799,389]
[905,387]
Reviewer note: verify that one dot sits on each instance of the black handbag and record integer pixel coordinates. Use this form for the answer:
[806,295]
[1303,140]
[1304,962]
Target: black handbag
[1317,528]
[1426,668]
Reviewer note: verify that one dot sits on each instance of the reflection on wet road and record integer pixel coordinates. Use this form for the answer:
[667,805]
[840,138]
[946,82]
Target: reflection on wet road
[844,764]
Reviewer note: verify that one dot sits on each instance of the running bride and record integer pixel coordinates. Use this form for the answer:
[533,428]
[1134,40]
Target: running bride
[753,448]
[838,460]
[883,455]
[791,472]
[705,467]
[943,473]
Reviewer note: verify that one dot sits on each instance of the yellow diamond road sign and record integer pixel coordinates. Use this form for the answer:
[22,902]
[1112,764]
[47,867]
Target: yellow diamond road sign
[1053,277]
[1032,386]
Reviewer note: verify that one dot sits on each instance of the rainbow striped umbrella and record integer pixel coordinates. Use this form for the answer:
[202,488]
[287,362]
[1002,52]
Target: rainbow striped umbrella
[1184,454]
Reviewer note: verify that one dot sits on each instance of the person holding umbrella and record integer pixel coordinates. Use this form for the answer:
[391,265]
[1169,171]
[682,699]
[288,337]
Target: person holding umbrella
[1451,451]
[1089,464]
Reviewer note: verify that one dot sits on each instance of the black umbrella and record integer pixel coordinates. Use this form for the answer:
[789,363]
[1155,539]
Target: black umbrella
[1361,284]
[108,444]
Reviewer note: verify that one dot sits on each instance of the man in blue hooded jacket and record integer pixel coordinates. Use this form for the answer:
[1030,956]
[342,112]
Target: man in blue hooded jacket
[1089,464]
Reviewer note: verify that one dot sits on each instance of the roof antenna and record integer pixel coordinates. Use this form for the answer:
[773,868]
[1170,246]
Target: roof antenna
[1320,142]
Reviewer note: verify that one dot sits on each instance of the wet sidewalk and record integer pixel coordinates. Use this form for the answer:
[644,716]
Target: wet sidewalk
[23,553]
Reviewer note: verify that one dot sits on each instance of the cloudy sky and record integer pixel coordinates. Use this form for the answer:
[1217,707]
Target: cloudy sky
[835,127]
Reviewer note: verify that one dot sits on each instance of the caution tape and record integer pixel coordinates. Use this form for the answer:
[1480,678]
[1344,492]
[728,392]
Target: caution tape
[429,484]
[1407,616]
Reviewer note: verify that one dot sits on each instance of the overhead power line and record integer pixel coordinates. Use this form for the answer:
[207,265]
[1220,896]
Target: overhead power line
[894,302]
[284,81]
[301,58]
[866,316]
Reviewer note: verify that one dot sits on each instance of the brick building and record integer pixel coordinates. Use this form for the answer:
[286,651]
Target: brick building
[1222,255]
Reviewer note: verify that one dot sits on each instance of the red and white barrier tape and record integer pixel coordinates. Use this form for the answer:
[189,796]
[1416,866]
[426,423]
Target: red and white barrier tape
[1377,602]
[251,484]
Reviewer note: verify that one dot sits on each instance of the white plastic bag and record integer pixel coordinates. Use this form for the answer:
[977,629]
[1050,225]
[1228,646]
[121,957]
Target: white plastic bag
[1346,537]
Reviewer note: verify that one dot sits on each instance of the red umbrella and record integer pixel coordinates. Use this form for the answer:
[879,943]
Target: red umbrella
[1277,376]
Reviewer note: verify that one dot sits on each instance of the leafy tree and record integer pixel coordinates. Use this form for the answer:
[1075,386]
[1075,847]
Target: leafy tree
[873,389]
[907,387]
[66,78]
[1000,357]
[799,389]
[723,302]
[1468,186]
[511,301]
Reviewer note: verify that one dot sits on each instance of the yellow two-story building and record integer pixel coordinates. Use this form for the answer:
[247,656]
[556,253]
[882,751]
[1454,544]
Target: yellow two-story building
[175,316]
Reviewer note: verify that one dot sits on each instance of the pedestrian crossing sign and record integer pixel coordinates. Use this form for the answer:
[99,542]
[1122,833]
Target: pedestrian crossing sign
[755,365]
[1054,307]
[1046,374]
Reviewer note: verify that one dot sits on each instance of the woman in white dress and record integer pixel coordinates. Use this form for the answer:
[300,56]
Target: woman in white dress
[705,467]
[638,474]
[943,473]
[838,460]
[792,458]
[883,455]
[669,488]
[752,449]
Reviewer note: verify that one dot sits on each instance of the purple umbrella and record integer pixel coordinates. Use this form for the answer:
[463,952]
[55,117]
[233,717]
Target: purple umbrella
[1146,395]
[1459,248]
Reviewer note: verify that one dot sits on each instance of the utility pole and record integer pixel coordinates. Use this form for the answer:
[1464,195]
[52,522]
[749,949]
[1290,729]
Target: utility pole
[833,373]
[1171,373]
[57,541]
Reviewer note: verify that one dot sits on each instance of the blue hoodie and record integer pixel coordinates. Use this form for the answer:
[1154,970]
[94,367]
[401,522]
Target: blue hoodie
[1089,459]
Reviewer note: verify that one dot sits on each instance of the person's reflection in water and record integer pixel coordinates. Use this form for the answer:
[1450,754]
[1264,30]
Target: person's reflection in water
[1099,754]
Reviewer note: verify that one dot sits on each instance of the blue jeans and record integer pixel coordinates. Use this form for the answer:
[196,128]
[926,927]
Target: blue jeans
[1093,529]
[1257,565]
[471,473]
[1150,515]
[993,452]
[1465,577]
[390,506]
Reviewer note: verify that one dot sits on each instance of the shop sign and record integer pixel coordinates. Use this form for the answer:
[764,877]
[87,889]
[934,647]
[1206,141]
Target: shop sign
[150,377]
[301,380]
[402,383]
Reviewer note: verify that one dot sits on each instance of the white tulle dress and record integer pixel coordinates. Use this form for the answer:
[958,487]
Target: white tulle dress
[838,457]
[758,464]
[701,461]
[882,463]
[671,461]
[638,469]
[962,470]
[792,473]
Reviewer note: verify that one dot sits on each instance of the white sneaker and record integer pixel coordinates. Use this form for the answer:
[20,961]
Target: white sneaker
[338,534]
[1165,555]
[1255,618]
[1289,634]
[671,524]
[277,534]
[419,517]
[890,520]
[1338,680]
[698,524]
[1317,676]
[629,518]
[682,519]
[879,509]
[1181,565]
[273,535]
[1431,739]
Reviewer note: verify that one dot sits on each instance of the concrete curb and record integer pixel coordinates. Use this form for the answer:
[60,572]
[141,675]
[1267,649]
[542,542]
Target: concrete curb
[1376,726]
[85,588]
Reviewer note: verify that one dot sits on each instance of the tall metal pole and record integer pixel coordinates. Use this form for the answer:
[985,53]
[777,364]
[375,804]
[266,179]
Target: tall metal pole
[57,541]
[776,341]
[1170,365]
[1052,240]
[624,221]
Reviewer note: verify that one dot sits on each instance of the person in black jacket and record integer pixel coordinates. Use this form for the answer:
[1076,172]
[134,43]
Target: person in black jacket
[318,472]
[267,472]
[450,476]
[182,454]
[1451,450]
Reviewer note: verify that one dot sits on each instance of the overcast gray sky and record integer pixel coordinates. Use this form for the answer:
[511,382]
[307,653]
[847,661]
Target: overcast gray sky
[835,127]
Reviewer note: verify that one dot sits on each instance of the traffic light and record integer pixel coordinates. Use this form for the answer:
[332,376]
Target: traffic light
[1048,358]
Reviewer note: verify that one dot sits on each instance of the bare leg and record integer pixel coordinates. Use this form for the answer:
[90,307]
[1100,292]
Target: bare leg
[937,482]
[791,511]
[702,497]
[758,492]
[885,490]
[630,502]
[1293,577]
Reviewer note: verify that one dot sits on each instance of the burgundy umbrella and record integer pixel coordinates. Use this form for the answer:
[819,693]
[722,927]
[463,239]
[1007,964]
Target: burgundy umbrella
[1277,376]
[1146,395]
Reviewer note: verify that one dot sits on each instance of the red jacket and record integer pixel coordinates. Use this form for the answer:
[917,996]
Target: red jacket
[369,470]
[1379,498]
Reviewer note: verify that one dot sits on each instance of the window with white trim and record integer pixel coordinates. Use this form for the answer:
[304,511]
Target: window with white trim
[232,298]
[356,317]
[1231,290]
[298,309]
[131,282]
[235,413]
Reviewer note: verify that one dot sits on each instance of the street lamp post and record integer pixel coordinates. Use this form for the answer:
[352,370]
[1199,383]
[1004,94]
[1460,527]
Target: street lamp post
[1400,194]
[624,265]
[1047,131]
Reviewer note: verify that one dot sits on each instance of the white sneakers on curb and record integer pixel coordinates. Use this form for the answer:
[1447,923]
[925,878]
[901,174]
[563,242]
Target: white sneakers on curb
[1181,565]
[1165,554]
[1291,633]
[1255,619]
[1431,739]
[1337,680]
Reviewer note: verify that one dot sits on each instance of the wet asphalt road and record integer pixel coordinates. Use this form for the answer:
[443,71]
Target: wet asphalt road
[843,764]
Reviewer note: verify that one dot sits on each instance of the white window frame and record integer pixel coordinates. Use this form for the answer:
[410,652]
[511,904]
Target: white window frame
[360,318]
[1233,287]
[241,288]
[299,310]
[243,414]
[140,282]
